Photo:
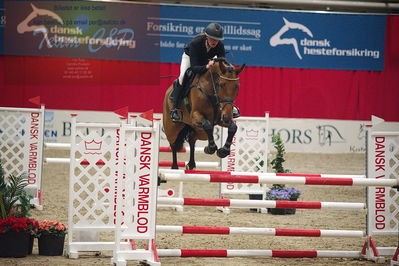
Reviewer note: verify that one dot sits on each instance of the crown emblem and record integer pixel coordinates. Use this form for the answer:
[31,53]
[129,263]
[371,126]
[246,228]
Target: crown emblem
[93,146]
[252,133]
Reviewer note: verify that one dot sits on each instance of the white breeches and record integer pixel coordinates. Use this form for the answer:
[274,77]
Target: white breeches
[185,64]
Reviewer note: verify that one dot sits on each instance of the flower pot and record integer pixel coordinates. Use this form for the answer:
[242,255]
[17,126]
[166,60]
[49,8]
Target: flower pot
[255,197]
[31,241]
[281,211]
[14,244]
[51,245]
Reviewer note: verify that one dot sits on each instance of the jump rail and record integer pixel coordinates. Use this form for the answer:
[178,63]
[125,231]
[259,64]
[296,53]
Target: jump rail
[207,172]
[258,231]
[263,203]
[266,178]
[265,253]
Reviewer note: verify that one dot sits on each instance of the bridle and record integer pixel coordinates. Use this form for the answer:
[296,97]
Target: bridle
[215,99]
[215,87]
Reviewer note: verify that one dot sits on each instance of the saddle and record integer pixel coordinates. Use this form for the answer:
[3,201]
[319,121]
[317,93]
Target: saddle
[187,81]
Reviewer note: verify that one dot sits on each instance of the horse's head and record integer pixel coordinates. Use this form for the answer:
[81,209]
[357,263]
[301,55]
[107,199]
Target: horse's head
[226,83]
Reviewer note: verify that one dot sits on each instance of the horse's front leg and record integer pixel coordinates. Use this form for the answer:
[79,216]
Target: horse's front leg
[225,150]
[174,158]
[191,163]
[208,127]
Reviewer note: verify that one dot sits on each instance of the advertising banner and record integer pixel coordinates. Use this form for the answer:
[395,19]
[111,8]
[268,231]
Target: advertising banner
[279,38]
[158,33]
[81,29]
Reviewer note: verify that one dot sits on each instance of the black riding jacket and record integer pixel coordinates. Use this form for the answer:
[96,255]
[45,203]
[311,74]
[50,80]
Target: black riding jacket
[199,57]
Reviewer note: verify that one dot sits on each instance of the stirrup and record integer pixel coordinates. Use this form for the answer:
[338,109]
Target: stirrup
[236,112]
[175,115]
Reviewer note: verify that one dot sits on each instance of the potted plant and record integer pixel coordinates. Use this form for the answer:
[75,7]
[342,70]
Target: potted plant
[51,236]
[280,191]
[15,227]
[15,235]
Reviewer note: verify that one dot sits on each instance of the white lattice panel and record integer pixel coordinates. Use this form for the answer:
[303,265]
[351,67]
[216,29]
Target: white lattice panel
[21,146]
[99,174]
[94,159]
[94,180]
[248,154]
[383,202]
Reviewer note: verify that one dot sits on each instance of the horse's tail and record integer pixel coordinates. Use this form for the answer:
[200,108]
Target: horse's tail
[183,135]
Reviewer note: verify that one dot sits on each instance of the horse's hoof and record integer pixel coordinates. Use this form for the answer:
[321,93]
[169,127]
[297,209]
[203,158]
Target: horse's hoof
[210,150]
[190,166]
[222,152]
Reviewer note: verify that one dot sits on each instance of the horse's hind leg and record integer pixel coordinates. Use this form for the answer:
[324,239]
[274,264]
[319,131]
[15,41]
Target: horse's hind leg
[225,150]
[191,163]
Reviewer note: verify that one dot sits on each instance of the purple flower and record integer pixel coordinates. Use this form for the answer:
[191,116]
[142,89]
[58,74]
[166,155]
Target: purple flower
[286,193]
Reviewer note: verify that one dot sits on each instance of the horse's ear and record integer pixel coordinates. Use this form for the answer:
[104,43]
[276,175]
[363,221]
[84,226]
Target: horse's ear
[222,67]
[238,70]
[33,7]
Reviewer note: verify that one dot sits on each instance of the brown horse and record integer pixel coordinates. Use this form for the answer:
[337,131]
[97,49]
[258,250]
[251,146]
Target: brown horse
[210,103]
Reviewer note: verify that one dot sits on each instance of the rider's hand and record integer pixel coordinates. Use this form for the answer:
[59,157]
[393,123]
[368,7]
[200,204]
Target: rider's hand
[210,63]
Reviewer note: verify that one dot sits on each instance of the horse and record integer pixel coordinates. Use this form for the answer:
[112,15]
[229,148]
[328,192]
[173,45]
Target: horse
[210,102]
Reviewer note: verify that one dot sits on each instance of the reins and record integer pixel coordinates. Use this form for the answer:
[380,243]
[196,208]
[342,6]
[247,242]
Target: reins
[215,99]
[230,79]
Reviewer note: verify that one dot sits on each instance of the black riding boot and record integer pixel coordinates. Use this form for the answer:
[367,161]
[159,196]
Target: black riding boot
[177,92]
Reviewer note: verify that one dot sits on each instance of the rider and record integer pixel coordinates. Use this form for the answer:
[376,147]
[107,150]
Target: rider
[198,55]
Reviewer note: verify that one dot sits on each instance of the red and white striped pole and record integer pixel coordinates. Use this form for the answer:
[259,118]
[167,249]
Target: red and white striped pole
[209,172]
[262,203]
[266,178]
[258,231]
[264,253]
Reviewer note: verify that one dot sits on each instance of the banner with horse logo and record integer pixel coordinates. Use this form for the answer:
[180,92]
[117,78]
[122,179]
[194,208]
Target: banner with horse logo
[279,38]
[158,33]
[80,29]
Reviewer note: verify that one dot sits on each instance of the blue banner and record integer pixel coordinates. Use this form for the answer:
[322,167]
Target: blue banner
[278,38]
[151,33]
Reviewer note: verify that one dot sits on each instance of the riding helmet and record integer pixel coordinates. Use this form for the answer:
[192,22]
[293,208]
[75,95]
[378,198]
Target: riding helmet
[214,31]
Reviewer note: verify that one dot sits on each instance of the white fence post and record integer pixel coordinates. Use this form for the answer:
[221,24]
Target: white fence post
[137,201]
[92,190]
[383,202]
[21,146]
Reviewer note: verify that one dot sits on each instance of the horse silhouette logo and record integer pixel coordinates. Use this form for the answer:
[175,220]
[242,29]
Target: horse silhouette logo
[277,39]
[25,26]
[362,131]
[329,134]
